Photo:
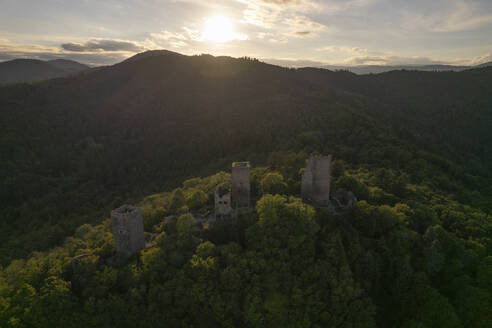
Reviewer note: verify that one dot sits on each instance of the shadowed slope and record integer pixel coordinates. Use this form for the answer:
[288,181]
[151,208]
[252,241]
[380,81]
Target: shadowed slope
[31,70]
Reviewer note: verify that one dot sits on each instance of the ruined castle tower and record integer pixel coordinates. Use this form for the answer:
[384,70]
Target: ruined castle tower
[315,184]
[128,230]
[222,202]
[240,184]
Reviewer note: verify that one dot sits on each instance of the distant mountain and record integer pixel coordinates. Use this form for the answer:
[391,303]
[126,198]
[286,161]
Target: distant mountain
[31,70]
[376,69]
[372,69]
[484,65]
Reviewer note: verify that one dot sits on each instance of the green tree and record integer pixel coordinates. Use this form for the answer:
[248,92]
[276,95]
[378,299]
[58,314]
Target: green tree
[185,224]
[196,198]
[273,183]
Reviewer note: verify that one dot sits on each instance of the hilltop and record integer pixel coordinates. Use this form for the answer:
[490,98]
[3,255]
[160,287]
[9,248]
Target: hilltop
[404,255]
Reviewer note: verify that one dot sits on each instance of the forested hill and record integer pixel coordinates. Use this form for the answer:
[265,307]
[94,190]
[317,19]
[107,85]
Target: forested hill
[415,147]
[74,147]
[31,70]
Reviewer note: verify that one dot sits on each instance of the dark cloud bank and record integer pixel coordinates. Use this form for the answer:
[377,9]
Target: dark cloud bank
[102,45]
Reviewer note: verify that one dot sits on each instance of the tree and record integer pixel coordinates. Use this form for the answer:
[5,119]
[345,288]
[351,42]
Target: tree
[178,200]
[185,224]
[196,198]
[273,183]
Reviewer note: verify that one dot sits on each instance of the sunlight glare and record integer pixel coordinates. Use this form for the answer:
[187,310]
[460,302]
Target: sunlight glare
[220,29]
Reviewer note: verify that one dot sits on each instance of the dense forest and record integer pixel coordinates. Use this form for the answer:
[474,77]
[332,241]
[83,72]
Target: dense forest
[414,147]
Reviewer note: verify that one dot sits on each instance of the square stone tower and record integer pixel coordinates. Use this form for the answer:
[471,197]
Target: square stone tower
[240,184]
[315,184]
[223,206]
[128,230]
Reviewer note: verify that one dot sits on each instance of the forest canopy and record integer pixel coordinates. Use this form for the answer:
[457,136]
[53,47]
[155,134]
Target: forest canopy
[161,132]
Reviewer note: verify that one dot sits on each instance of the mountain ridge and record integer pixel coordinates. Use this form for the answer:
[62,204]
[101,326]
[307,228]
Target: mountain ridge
[373,69]
[64,67]
[35,70]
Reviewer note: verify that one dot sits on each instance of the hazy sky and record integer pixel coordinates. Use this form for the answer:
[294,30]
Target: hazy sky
[346,32]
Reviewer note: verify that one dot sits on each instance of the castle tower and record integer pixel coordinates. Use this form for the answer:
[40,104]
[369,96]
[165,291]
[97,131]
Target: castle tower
[128,230]
[315,184]
[222,202]
[240,184]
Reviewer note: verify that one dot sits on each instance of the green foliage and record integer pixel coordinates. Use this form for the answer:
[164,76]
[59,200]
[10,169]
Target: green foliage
[178,201]
[196,199]
[351,183]
[337,169]
[273,183]
[384,263]
[415,148]
[185,224]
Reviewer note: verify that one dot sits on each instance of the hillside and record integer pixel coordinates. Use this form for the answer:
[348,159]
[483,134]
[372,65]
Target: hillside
[415,146]
[31,70]
[82,144]
[403,256]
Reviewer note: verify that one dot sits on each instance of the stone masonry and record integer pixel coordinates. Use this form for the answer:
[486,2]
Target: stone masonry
[128,230]
[315,184]
[222,202]
[240,185]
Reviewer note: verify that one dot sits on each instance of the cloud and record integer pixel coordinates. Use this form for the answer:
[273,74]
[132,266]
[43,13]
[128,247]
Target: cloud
[9,50]
[288,18]
[303,27]
[455,24]
[455,16]
[272,37]
[189,37]
[391,60]
[281,2]
[293,62]
[343,49]
[481,59]
[174,40]
[106,45]
[355,56]
[297,5]
[373,59]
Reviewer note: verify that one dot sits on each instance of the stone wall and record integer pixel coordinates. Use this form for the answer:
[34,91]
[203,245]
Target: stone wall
[315,184]
[222,202]
[240,184]
[128,230]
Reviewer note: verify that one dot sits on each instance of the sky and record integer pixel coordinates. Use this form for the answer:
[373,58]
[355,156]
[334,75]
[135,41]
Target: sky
[287,32]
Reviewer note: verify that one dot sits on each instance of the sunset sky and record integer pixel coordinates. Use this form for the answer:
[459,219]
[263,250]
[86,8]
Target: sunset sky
[294,32]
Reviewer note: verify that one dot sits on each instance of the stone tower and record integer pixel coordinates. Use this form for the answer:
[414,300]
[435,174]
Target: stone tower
[315,185]
[240,184]
[222,202]
[128,230]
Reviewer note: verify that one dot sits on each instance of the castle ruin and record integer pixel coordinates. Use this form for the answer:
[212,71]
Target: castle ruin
[240,184]
[223,206]
[315,184]
[128,230]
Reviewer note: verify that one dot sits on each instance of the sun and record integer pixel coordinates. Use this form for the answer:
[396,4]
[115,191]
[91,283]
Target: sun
[220,29]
